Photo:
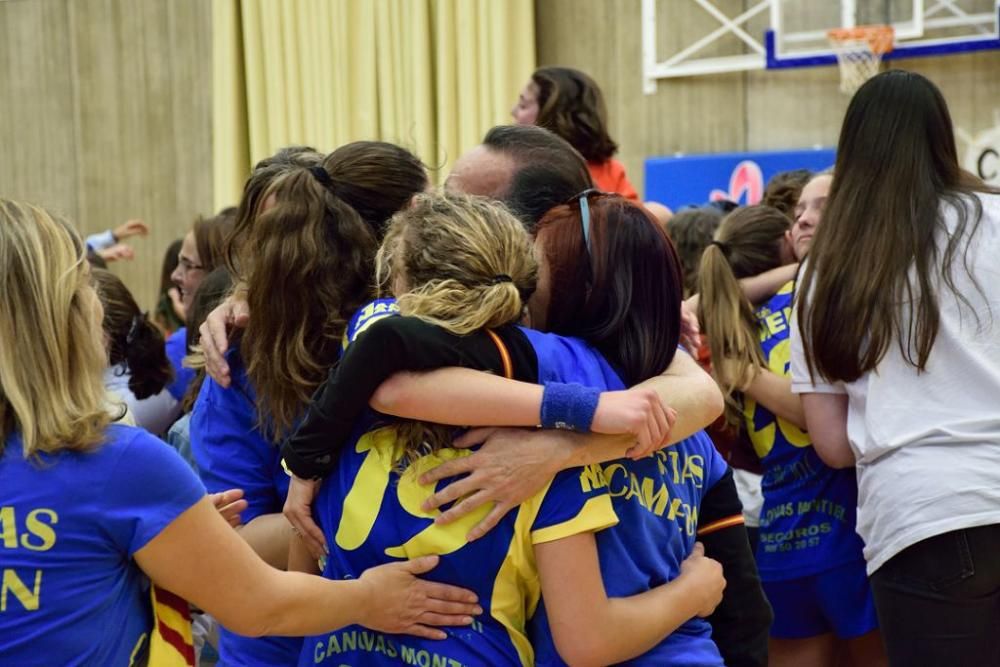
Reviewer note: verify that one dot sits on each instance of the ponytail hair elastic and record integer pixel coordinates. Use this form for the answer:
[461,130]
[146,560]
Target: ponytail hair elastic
[138,321]
[323,177]
[501,278]
[721,246]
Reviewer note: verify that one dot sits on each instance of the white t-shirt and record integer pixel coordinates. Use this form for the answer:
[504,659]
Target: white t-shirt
[928,444]
[155,413]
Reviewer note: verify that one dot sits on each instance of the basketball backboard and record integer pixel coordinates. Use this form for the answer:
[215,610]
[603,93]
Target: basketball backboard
[776,34]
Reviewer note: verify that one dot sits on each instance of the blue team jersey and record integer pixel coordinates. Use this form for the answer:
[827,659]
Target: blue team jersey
[70,524]
[371,514]
[656,500]
[231,452]
[176,350]
[807,522]
[367,315]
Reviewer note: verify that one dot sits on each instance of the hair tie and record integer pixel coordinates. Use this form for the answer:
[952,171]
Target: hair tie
[323,177]
[721,246]
[133,331]
[501,278]
[584,200]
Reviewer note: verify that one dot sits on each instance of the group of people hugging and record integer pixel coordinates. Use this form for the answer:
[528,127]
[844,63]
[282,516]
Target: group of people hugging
[520,419]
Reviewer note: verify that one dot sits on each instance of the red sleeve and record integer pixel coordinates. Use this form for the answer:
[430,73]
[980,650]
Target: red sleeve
[623,186]
[609,176]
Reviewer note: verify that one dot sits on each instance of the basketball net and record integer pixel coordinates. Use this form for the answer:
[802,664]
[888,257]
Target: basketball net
[859,53]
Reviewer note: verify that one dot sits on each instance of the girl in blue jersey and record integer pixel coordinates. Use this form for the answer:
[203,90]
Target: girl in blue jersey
[91,511]
[464,264]
[304,246]
[809,556]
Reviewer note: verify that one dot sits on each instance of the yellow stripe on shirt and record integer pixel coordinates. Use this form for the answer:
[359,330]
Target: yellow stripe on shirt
[597,514]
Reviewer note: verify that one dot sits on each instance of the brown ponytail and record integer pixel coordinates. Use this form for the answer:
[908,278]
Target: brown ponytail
[748,243]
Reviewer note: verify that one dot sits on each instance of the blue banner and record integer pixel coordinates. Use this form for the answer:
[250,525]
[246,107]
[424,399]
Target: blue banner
[740,177]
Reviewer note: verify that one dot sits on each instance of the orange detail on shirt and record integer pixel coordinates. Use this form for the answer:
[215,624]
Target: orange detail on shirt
[609,176]
[508,365]
[715,526]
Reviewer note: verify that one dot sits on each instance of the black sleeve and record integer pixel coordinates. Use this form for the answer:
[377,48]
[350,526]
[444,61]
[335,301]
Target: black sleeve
[742,621]
[388,346]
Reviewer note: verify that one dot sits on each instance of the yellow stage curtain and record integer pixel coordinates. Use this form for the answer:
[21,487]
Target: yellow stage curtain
[430,75]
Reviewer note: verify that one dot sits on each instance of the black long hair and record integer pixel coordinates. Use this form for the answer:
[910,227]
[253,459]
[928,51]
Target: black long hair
[135,344]
[896,165]
[622,294]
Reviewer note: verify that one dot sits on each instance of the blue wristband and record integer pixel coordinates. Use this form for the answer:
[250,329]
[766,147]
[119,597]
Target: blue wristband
[569,406]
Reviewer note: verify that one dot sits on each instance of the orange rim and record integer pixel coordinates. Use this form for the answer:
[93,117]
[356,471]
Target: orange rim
[879,37]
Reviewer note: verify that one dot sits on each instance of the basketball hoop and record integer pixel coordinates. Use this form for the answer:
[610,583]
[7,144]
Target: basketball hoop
[859,52]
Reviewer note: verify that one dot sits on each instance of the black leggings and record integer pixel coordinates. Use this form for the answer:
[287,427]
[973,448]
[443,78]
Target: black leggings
[938,601]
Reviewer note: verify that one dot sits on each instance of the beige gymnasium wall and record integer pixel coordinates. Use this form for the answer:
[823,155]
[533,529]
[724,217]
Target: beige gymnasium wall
[106,105]
[105,114]
[725,112]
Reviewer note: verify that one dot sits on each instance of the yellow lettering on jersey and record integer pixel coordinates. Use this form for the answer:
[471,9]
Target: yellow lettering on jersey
[763,439]
[778,361]
[776,322]
[691,520]
[332,648]
[674,459]
[655,502]
[616,488]
[9,528]
[694,470]
[633,488]
[360,504]
[661,456]
[433,539]
[11,583]
[592,477]
[39,529]
[675,507]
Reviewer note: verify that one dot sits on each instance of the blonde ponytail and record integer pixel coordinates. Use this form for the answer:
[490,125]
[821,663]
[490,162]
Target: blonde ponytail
[461,263]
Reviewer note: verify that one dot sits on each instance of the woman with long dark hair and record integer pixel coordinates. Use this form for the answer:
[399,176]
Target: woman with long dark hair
[897,358]
[570,104]
[302,252]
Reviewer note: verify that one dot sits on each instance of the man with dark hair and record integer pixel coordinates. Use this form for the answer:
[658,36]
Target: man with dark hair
[528,168]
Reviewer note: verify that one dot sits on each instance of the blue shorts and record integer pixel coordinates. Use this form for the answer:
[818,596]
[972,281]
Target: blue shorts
[838,601]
